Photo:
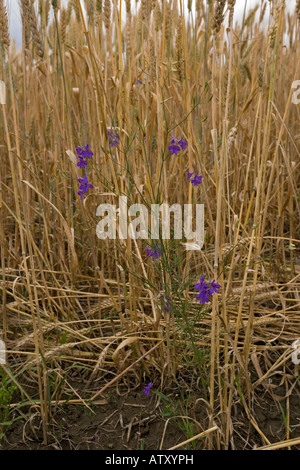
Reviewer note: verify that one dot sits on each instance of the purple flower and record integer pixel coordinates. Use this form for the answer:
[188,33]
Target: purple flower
[182,144]
[203,297]
[153,253]
[174,149]
[87,153]
[197,179]
[83,154]
[201,284]
[213,288]
[82,163]
[205,290]
[84,186]
[139,81]
[114,139]
[146,390]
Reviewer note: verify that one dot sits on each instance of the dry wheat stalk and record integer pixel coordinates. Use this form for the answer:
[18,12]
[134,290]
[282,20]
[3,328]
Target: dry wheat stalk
[4,30]
[99,4]
[30,18]
[76,10]
[231,5]
[107,13]
[63,24]
[298,9]
[158,17]
[179,49]
[218,16]
[145,9]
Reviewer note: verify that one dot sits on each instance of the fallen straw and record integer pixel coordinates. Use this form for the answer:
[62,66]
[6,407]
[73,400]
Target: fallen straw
[202,434]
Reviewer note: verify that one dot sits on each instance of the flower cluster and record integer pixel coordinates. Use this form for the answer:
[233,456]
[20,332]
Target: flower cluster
[146,390]
[114,139]
[153,253]
[175,148]
[84,186]
[197,179]
[205,290]
[83,154]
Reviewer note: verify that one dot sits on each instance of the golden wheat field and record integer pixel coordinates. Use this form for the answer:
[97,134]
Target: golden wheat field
[117,334]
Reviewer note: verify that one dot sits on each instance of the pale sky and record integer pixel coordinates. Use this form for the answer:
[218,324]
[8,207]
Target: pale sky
[16,28]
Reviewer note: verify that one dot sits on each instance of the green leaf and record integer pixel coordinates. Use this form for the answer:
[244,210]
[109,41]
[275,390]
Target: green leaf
[63,338]
[160,394]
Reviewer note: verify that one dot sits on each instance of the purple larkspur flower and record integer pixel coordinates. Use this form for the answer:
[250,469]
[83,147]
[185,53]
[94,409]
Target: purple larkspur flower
[146,390]
[153,253]
[197,179]
[205,291]
[84,186]
[203,288]
[182,143]
[174,149]
[83,154]
[114,139]
[200,285]
[214,287]
[82,163]
[203,296]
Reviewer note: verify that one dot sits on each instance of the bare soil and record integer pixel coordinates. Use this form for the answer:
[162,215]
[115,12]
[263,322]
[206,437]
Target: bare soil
[131,421]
